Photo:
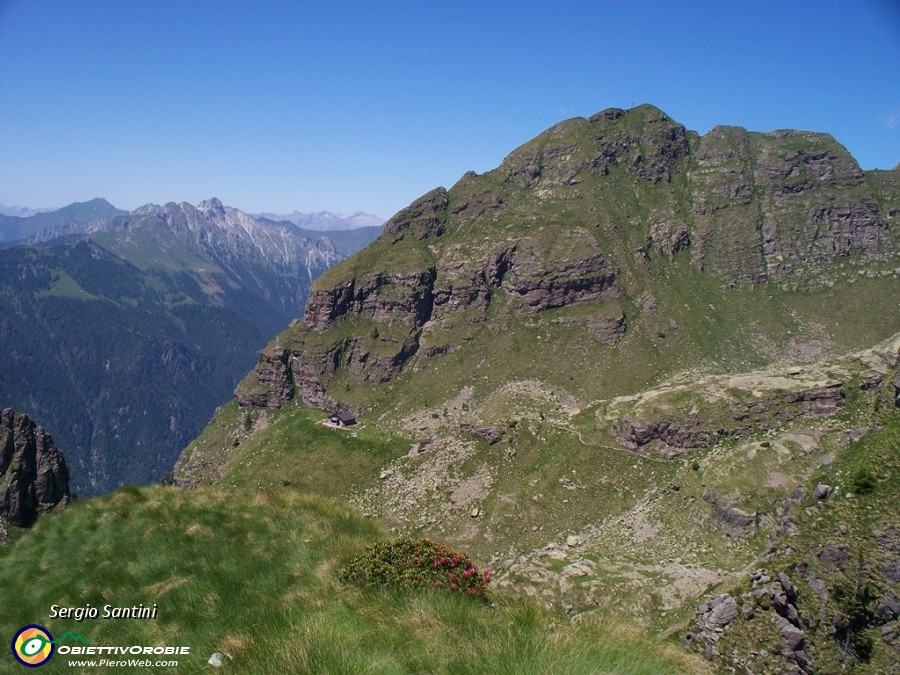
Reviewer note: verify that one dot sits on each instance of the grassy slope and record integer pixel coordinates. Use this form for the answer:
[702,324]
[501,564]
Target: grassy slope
[255,578]
[655,549]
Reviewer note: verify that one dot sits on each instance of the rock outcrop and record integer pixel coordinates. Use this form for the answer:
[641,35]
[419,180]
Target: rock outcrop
[897,392]
[273,383]
[779,205]
[758,402]
[715,615]
[34,478]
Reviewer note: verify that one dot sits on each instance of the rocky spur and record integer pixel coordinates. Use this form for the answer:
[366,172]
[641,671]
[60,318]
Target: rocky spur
[140,611]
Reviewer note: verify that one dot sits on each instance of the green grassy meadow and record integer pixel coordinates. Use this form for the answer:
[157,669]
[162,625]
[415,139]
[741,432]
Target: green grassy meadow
[254,576]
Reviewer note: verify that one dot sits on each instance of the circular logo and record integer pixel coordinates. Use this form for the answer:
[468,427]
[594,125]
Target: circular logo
[33,646]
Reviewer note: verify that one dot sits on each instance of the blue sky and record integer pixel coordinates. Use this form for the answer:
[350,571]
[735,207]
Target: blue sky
[344,106]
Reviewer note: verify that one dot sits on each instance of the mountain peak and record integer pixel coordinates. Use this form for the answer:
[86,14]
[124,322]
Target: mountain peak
[212,204]
[94,203]
[147,209]
[581,222]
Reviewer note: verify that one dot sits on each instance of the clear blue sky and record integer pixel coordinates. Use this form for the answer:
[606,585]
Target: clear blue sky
[344,106]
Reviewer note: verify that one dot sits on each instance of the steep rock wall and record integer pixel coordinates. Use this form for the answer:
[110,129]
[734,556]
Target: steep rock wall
[34,478]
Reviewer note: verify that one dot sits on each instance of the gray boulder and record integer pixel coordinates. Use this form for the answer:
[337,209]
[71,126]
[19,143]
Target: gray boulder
[821,492]
[724,613]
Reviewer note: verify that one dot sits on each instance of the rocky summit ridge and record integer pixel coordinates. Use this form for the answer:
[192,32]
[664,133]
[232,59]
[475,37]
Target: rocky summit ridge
[219,231]
[591,214]
[218,228]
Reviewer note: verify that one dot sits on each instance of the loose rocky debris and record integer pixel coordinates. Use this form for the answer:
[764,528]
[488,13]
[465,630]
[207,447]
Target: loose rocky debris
[424,445]
[490,434]
[570,484]
[776,595]
[427,488]
[573,575]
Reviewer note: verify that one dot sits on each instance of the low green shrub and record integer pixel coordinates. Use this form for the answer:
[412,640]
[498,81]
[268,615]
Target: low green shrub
[417,564]
[862,481]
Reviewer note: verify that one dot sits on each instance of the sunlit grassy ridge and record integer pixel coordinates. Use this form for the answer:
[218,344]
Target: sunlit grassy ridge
[292,450]
[255,576]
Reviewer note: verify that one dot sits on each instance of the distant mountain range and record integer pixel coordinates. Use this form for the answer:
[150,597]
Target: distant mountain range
[30,222]
[21,222]
[121,332]
[326,220]
[21,211]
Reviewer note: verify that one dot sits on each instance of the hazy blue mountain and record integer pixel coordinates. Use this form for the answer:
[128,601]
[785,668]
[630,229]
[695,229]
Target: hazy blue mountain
[326,220]
[15,228]
[21,211]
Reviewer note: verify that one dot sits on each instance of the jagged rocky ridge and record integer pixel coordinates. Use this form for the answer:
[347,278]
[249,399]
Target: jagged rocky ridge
[271,258]
[34,478]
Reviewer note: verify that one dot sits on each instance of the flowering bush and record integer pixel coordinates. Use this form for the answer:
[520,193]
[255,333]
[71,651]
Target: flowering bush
[417,563]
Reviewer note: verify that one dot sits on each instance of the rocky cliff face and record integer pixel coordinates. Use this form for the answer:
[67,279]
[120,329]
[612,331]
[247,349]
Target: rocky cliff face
[33,474]
[589,214]
[776,206]
[670,434]
[223,231]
